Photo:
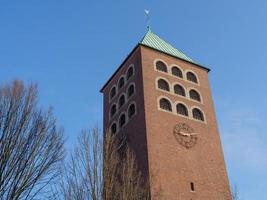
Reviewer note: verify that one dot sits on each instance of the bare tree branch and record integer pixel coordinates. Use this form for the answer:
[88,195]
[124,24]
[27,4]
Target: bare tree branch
[31,145]
[102,169]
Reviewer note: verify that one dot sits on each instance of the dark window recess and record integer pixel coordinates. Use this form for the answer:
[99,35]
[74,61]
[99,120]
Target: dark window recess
[123,142]
[130,91]
[161,66]
[165,104]
[163,85]
[122,120]
[177,72]
[197,114]
[121,82]
[181,109]
[130,73]
[113,128]
[192,186]
[131,111]
[194,95]
[113,92]
[121,101]
[113,110]
[178,89]
[191,77]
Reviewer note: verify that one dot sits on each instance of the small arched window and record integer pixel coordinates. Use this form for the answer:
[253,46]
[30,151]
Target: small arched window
[122,120]
[177,72]
[131,111]
[130,91]
[181,109]
[191,77]
[113,110]
[194,95]
[197,114]
[165,104]
[121,100]
[112,92]
[113,128]
[130,73]
[178,89]
[161,66]
[163,85]
[121,82]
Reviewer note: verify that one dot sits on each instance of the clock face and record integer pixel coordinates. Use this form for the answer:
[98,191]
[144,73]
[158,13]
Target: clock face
[185,135]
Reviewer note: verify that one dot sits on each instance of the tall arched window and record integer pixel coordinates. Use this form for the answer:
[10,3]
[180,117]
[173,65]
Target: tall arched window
[194,95]
[122,120]
[131,111]
[112,92]
[161,66]
[178,89]
[181,109]
[121,82]
[191,77]
[197,114]
[113,110]
[130,91]
[163,85]
[113,128]
[165,104]
[177,72]
[121,100]
[130,72]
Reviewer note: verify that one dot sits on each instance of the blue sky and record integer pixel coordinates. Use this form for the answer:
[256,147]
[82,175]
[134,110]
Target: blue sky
[71,47]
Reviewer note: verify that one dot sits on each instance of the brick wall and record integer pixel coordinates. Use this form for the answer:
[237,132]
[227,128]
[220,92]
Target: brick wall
[171,166]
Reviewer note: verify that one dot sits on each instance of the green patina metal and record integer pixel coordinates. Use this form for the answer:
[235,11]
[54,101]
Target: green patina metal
[153,41]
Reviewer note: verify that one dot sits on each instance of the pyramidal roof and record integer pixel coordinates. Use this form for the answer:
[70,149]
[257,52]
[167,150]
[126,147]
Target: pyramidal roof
[153,41]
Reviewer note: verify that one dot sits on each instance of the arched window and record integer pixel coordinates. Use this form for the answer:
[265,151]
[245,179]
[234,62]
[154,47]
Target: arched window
[113,110]
[121,82]
[177,72]
[130,91]
[130,73]
[191,77]
[197,114]
[178,89]
[181,109]
[163,85]
[113,128]
[122,120]
[131,111]
[194,95]
[112,92]
[165,104]
[161,66]
[121,100]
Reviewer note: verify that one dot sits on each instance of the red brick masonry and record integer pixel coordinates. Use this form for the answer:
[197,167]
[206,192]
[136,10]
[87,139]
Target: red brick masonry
[170,166]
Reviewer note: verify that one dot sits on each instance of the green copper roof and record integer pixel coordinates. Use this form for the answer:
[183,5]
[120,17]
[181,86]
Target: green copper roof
[155,42]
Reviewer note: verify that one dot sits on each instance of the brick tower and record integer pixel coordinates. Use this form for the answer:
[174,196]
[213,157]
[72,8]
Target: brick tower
[161,100]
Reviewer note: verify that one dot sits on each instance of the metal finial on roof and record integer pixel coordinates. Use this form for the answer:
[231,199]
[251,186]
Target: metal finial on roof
[147,19]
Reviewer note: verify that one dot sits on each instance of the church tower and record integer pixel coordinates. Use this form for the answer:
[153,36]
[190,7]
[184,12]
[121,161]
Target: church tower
[161,99]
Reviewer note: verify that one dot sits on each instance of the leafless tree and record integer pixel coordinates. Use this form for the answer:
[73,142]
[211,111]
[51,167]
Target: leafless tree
[31,145]
[102,169]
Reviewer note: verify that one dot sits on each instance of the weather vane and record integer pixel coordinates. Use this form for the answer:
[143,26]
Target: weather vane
[147,19]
